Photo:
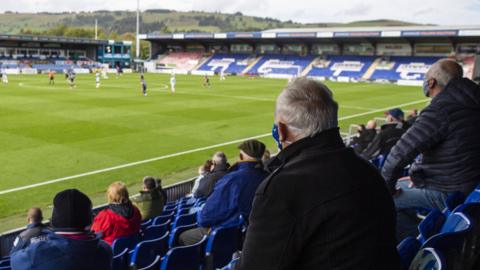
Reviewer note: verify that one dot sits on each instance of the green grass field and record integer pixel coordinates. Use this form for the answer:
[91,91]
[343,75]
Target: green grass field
[51,132]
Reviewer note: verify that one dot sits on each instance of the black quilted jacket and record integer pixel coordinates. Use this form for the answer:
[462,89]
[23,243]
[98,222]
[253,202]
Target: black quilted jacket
[447,134]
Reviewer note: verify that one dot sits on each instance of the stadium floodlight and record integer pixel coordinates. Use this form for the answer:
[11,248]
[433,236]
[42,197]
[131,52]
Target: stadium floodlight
[137,50]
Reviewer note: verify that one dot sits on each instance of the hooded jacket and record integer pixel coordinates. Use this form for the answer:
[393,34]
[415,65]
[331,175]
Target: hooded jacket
[118,220]
[447,134]
[51,251]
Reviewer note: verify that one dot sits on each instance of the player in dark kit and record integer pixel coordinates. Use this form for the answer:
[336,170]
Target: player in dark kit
[206,81]
[144,85]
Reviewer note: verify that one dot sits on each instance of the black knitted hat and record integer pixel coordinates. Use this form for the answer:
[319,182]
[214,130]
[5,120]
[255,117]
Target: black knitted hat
[71,210]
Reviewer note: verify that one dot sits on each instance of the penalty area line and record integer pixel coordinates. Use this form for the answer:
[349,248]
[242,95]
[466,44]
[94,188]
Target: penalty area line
[49,182]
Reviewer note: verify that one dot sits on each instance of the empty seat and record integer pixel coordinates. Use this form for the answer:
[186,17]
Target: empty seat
[147,251]
[155,231]
[145,224]
[407,249]
[451,241]
[153,266]
[123,243]
[120,261]
[473,197]
[431,225]
[221,245]
[428,259]
[175,258]
[162,219]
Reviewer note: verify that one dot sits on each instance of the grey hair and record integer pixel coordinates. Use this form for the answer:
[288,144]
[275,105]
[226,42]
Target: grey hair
[445,70]
[307,107]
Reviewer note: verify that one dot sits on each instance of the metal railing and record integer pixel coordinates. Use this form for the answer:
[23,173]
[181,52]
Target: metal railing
[174,192]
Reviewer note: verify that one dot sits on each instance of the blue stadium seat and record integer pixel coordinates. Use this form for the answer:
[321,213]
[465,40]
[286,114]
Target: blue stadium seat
[122,243]
[169,208]
[175,258]
[473,197]
[471,210]
[452,239]
[146,251]
[453,200]
[5,268]
[155,231]
[221,245]
[431,225]
[4,262]
[145,224]
[162,219]
[153,266]
[175,234]
[428,259]
[183,220]
[120,261]
[232,264]
[407,249]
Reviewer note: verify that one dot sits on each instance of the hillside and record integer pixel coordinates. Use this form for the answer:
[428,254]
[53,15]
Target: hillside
[122,22]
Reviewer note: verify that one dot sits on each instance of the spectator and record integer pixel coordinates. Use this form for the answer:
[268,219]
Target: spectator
[35,225]
[366,136]
[412,117]
[68,245]
[446,135]
[151,199]
[233,193]
[323,207]
[121,218]
[202,172]
[388,136]
[218,170]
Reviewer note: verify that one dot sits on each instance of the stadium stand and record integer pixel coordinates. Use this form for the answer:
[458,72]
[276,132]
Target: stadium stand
[272,65]
[338,67]
[228,63]
[396,68]
[179,61]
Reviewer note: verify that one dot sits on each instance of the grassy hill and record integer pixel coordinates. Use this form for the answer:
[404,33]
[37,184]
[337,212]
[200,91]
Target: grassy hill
[122,22]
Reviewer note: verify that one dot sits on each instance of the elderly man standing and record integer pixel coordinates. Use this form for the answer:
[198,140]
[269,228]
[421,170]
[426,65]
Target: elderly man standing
[446,133]
[322,207]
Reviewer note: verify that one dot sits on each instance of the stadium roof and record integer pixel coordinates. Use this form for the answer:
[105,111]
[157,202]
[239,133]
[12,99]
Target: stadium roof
[65,40]
[329,33]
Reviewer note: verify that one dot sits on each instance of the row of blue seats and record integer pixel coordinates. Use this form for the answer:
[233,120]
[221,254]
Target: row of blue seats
[447,239]
[157,247]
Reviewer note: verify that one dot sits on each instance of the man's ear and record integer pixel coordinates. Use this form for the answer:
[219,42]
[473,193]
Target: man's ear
[432,83]
[282,131]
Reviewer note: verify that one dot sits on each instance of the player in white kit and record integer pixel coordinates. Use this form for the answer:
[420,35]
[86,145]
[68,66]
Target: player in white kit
[4,77]
[173,81]
[222,75]
[97,79]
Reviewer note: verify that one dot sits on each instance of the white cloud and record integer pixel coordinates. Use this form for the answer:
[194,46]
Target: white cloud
[446,12]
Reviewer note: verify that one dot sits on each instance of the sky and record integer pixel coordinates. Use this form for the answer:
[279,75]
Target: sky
[442,12]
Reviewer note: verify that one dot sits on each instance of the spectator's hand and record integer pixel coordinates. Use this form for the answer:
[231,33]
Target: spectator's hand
[409,179]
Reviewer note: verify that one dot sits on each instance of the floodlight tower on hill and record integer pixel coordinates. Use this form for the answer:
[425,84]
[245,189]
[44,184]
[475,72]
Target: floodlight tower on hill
[137,50]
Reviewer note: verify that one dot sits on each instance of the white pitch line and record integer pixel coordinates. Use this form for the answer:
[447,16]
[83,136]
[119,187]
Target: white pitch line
[185,152]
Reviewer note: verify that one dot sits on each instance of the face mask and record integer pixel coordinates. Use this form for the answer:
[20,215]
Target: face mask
[426,88]
[276,136]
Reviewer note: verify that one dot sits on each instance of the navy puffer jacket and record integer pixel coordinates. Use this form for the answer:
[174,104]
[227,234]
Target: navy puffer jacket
[447,134]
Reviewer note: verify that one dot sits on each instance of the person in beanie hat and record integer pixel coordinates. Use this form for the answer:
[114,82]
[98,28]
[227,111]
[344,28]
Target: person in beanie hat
[68,244]
[388,136]
[233,194]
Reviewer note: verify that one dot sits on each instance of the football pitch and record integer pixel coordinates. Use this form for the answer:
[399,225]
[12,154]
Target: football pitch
[53,137]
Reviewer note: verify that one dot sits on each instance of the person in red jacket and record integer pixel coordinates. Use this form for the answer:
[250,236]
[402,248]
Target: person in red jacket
[121,218]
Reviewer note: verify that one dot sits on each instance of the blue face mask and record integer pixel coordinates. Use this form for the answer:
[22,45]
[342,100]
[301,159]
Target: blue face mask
[276,136]
[426,88]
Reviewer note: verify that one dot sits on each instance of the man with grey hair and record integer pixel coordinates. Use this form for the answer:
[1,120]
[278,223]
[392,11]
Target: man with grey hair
[322,206]
[218,170]
[445,137]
